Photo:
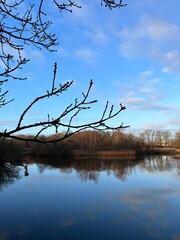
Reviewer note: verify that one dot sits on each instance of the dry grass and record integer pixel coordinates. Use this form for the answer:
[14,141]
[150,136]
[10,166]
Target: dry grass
[106,153]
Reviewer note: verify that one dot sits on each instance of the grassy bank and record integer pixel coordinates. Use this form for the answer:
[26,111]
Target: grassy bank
[105,153]
[158,150]
[128,152]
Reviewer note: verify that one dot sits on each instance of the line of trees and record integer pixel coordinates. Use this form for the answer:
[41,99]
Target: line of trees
[161,138]
[88,142]
[92,141]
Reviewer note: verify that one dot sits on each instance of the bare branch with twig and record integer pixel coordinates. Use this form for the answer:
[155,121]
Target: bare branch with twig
[32,28]
[71,111]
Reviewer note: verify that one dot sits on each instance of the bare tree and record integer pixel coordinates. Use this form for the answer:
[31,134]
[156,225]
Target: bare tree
[31,27]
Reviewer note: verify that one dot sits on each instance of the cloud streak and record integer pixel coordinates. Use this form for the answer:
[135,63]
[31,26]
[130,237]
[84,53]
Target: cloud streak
[86,54]
[155,39]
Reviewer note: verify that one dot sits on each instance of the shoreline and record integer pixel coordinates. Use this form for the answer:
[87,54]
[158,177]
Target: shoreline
[118,153]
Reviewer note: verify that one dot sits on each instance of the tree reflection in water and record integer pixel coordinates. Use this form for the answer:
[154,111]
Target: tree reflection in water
[8,174]
[50,205]
[89,169]
[161,163]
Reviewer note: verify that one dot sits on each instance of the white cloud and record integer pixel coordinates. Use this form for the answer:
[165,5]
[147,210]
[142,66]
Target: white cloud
[174,121]
[98,37]
[146,94]
[133,101]
[160,31]
[63,52]
[146,73]
[83,15]
[139,103]
[36,56]
[155,39]
[151,88]
[86,54]
[7,123]
[172,62]
[171,123]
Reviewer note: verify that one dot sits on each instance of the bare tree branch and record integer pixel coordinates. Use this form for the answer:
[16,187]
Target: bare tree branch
[32,27]
[113,3]
[70,112]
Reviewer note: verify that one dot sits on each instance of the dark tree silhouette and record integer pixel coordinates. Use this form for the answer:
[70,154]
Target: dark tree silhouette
[31,27]
[8,174]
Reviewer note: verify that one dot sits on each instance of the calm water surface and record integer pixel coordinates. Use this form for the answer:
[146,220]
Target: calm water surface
[91,199]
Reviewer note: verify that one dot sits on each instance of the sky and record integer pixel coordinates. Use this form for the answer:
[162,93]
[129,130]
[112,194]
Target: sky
[132,55]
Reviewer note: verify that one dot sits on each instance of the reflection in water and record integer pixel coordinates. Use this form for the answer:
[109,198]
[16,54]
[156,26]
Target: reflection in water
[161,163]
[8,174]
[26,173]
[88,169]
[132,199]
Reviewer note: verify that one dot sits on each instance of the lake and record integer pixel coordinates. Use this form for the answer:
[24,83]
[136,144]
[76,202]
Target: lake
[91,199]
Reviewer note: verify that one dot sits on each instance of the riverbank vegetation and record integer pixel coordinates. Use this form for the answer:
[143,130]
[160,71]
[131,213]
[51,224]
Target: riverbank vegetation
[95,143]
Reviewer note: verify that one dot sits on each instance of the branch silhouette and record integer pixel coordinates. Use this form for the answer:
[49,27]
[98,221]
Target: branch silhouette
[32,28]
[70,111]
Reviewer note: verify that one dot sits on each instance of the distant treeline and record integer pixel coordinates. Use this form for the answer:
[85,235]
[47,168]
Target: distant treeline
[89,142]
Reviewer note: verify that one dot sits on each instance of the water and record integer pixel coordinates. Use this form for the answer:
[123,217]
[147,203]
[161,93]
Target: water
[91,199]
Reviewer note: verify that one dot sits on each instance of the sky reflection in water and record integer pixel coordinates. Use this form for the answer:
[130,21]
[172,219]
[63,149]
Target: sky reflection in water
[84,199]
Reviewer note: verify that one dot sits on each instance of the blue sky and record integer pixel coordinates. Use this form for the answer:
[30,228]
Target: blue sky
[132,54]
